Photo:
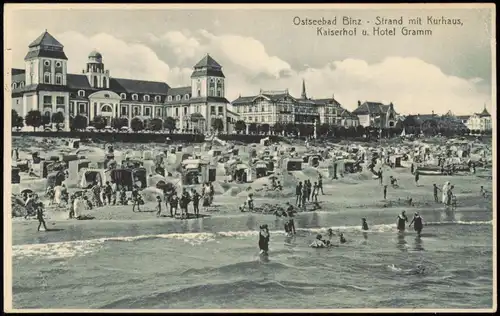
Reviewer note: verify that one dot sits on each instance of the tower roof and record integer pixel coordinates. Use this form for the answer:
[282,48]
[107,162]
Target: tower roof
[95,54]
[208,62]
[47,40]
[484,113]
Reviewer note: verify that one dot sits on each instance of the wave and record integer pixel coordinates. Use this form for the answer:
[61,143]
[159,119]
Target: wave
[69,249]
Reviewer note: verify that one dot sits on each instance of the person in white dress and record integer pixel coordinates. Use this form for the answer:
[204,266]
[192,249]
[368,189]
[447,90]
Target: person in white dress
[444,192]
[57,194]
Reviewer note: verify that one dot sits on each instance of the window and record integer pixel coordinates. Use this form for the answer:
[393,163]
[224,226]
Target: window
[46,63]
[123,96]
[136,110]
[146,98]
[21,84]
[212,110]
[14,86]
[81,108]
[186,97]
[58,64]
[95,108]
[147,111]
[176,111]
[81,93]
[177,97]
[135,97]
[158,112]
[221,110]
[220,88]
[249,109]
[95,82]
[106,108]
[198,87]
[211,88]
[169,98]
[124,110]
[47,100]
[60,100]
[106,96]
[158,98]
[185,110]
[46,77]
[58,79]
[104,82]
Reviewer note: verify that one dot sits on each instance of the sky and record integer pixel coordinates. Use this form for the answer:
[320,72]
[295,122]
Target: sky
[263,49]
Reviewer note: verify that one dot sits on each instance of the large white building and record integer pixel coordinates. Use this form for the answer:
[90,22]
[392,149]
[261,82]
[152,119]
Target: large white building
[272,107]
[45,85]
[480,121]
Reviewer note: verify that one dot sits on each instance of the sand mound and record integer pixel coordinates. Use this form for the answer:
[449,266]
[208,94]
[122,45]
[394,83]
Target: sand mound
[233,191]
[149,194]
[219,187]
[154,179]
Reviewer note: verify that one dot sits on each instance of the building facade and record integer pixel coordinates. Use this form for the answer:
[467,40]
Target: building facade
[271,107]
[480,121]
[45,85]
[376,114]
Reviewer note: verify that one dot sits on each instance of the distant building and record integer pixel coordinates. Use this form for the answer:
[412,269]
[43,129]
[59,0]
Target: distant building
[376,114]
[271,107]
[45,85]
[480,121]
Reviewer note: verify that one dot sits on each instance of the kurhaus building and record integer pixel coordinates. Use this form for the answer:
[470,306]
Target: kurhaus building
[46,85]
[376,114]
[271,107]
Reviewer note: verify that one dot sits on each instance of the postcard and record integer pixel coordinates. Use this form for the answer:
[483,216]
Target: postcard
[250,157]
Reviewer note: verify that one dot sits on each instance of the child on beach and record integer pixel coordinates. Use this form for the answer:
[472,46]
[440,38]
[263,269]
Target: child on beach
[250,202]
[136,199]
[39,216]
[174,202]
[417,177]
[158,206]
[196,202]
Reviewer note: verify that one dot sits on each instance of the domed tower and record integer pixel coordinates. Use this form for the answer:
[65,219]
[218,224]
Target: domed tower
[98,77]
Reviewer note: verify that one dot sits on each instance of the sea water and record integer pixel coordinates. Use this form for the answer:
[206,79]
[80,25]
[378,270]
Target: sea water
[215,263]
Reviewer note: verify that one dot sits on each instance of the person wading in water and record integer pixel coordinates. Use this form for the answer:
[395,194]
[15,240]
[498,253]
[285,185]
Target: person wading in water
[402,220]
[264,238]
[39,216]
[418,223]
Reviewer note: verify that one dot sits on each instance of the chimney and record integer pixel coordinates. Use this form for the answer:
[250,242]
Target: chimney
[359,103]
[333,96]
[432,112]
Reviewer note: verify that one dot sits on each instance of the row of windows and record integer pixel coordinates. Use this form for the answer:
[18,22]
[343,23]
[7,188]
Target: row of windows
[145,98]
[14,85]
[279,107]
[47,78]
[47,63]
[47,100]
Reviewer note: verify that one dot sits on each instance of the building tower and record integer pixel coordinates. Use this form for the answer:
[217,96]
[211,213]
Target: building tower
[46,62]
[304,94]
[96,74]
[207,79]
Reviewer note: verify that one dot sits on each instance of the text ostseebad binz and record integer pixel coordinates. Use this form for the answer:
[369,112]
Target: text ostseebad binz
[315,22]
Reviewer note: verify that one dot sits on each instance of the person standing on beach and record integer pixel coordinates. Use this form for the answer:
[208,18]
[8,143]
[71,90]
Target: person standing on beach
[174,202]
[298,194]
[158,206]
[450,196]
[418,223]
[309,190]
[444,192]
[39,216]
[108,191]
[380,175]
[96,194]
[417,177]
[435,190]
[136,199]
[196,202]
[114,189]
[385,191]
[291,224]
[29,205]
[304,196]
[320,184]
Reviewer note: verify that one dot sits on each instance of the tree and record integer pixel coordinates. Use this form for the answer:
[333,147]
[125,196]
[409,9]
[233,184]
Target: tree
[58,118]
[136,124]
[16,120]
[278,128]
[79,122]
[240,126]
[33,118]
[323,129]
[290,128]
[351,131]
[264,128]
[155,124]
[119,122]
[169,124]
[99,122]
[360,131]
[218,125]
[252,128]
[410,120]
